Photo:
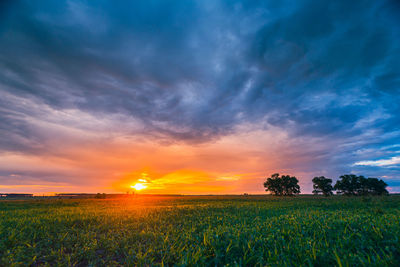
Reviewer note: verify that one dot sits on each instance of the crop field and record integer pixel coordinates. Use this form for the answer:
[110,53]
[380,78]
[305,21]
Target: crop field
[201,231]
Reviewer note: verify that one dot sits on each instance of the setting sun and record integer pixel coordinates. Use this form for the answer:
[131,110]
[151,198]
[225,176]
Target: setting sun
[138,186]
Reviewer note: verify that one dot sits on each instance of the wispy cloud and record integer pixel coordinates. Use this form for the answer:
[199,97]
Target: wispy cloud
[380,162]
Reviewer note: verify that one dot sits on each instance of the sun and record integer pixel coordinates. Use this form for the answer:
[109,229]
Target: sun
[138,186]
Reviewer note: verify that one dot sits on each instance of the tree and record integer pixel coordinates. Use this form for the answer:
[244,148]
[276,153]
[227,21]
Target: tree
[322,185]
[285,185]
[353,185]
[101,196]
[372,186]
[348,185]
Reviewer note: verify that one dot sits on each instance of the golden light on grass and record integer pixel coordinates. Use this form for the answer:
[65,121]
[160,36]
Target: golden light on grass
[138,186]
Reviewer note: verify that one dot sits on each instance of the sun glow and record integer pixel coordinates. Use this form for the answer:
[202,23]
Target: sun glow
[138,186]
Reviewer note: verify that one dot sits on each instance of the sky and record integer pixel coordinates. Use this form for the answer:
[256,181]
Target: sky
[197,97]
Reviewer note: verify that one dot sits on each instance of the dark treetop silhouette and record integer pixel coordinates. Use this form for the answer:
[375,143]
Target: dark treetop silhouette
[322,185]
[348,184]
[353,185]
[285,185]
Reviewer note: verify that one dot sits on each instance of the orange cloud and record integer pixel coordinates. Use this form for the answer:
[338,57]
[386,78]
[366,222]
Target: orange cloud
[235,163]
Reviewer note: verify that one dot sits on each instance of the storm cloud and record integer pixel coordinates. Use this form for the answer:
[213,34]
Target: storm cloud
[194,72]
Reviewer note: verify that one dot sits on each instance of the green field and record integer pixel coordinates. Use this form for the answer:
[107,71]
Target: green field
[198,231]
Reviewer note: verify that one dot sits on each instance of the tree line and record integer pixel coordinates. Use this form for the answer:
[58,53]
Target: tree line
[348,184]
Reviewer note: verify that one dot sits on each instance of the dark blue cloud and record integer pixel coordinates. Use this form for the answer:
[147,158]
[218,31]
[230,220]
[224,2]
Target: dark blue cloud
[192,71]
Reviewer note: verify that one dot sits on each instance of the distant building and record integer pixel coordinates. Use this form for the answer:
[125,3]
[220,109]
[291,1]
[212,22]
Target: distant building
[15,195]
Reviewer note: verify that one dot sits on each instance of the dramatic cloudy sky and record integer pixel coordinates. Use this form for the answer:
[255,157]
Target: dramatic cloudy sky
[199,96]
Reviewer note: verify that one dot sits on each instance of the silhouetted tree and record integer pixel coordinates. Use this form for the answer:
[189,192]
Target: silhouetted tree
[347,185]
[101,196]
[372,186]
[351,184]
[322,185]
[285,185]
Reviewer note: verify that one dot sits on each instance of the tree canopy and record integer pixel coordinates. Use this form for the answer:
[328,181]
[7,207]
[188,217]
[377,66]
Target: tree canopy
[353,185]
[284,185]
[348,184]
[322,185]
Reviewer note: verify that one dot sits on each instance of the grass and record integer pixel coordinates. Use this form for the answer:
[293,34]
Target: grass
[197,231]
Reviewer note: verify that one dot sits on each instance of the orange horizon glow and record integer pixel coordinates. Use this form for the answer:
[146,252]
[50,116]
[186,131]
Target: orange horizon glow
[138,186]
[233,164]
